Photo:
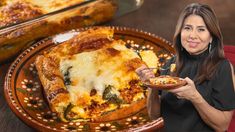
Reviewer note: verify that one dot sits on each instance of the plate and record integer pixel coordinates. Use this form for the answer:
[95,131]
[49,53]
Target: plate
[161,86]
[24,94]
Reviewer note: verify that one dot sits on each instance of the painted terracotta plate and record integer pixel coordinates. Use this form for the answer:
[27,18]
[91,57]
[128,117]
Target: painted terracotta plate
[165,82]
[24,94]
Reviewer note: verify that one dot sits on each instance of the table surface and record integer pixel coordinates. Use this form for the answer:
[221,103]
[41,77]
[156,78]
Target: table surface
[147,18]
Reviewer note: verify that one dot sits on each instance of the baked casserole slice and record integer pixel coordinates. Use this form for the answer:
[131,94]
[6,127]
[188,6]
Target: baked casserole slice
[92,77]
[15,11]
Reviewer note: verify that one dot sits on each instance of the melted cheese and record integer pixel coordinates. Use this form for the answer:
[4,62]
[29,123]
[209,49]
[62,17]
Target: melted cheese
[96,70]
[150,58]
[80,111]
[100,68]
[138,96]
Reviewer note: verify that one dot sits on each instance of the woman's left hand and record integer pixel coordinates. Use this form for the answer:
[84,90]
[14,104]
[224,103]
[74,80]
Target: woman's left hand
[188,91]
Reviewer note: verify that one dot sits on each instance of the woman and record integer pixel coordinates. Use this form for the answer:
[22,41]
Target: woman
[207,101]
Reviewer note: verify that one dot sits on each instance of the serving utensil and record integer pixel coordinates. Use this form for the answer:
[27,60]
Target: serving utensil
[158,68]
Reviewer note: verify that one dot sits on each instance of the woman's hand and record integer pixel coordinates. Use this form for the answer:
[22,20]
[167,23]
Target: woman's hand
[144,73]
[188,91]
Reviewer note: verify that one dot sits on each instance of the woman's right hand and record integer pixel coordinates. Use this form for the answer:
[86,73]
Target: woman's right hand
[144,73]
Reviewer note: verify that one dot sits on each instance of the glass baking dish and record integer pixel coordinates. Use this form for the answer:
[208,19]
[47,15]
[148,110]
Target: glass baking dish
[22,25]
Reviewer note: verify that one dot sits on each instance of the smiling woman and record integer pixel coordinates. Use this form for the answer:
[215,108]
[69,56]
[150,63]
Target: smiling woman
[195,36]
[207,101]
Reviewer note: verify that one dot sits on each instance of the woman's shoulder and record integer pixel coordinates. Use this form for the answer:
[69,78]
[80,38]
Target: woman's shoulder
[225,63]
[222,85]
[224,67]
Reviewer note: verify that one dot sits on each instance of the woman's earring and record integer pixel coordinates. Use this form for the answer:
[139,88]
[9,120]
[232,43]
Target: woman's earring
[209,47]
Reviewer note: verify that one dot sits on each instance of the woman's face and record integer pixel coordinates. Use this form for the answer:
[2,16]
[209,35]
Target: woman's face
[195,36]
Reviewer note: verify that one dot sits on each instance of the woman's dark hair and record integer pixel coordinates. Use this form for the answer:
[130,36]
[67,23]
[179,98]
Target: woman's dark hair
[216,54]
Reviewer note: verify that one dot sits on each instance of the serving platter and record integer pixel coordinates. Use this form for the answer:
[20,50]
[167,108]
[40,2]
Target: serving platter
[24,92]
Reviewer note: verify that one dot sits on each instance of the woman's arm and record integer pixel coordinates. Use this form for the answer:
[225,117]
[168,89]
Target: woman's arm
[153,101]
[217,119]
[153,104]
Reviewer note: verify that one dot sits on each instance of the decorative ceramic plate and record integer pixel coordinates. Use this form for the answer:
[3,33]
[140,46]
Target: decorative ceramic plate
[24,94]
[166,82]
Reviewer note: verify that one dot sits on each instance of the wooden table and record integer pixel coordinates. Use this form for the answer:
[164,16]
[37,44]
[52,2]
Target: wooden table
[154,16]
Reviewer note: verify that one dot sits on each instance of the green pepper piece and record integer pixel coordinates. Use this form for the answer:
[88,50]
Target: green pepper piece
[69,115]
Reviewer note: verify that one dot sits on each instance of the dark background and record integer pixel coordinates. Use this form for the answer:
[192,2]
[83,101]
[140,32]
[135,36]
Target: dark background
[160,17]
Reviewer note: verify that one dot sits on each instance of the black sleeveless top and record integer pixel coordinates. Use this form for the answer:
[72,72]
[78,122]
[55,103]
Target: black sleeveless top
[180,115]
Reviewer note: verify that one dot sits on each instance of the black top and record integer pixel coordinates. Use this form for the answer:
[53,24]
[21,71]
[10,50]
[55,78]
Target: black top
[180,115]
